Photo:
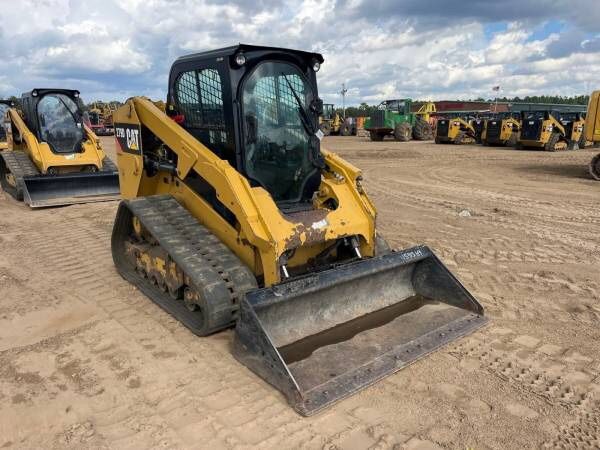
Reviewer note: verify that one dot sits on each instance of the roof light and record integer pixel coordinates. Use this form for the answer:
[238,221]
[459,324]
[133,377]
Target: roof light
[316,66]
[34,93]
[240,59]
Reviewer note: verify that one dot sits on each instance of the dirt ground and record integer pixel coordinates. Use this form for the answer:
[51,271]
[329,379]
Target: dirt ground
[86,361]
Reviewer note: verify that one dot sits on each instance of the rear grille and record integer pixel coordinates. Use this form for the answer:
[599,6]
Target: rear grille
[442,128]
[378,119]
[493,129]
[532,129]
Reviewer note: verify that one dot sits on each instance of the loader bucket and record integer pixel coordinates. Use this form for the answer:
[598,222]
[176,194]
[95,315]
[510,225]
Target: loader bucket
[326,336]
[43,190]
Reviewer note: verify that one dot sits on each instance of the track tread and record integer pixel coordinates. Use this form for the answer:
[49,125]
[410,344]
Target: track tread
[108,165]
[220,277]
[19,164]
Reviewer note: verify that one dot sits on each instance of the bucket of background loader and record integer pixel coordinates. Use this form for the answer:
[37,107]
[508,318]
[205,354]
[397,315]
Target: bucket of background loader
[45,190]
[324,337]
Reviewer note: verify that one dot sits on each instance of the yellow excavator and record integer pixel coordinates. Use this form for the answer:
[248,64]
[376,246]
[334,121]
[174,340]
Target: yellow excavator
[5,105]
[592,131]
[52,157]
[456,130]
[501,129]
[234,215]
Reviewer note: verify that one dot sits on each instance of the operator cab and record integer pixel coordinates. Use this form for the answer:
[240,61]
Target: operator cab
[401,106]
[55,116]
[327,111]
[258,108]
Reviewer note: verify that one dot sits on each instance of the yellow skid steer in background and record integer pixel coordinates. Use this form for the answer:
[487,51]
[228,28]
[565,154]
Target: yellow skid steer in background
[592,131]
[235,216]
[455,130]
[52,157]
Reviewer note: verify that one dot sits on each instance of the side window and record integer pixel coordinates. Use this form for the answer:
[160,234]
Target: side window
[199,98]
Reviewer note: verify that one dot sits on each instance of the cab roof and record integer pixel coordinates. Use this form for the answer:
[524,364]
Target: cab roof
[228,51]
[43,91]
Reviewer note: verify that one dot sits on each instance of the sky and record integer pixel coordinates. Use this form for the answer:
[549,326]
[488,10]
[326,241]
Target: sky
[380,49]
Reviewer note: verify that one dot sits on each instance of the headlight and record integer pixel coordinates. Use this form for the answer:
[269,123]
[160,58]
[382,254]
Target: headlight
[316,66]
[240,59]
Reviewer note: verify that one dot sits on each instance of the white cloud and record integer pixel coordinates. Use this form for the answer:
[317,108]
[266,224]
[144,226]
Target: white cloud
[403,48]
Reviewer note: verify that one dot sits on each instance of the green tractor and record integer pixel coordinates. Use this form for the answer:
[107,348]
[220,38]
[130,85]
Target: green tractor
[395,117]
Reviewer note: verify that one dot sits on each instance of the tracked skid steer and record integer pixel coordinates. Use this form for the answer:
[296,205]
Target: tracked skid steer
[235,216]
[52,157]
[543,130]
[592,131]
[456,130]
[502,129]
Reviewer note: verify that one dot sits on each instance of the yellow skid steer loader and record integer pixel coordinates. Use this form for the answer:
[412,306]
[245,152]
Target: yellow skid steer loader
[235,216]
[501,129]
[592,131]
[53,158]
[455,131]
[543,130]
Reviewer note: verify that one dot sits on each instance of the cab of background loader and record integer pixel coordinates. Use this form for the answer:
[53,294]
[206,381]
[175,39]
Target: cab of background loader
[258,108]
[328,111]
[55,116]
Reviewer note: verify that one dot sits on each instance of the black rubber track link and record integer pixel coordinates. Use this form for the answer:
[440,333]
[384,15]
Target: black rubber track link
[108,165]
[595,167]
[215,273]
[19,164]
[550,146]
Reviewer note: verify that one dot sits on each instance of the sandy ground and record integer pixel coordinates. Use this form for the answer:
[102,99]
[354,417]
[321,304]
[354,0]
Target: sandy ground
[86,361]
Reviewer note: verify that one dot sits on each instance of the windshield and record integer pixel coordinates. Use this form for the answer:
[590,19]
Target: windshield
[94,117]
[277,143]
[60,123]
[392,105]
[327,111]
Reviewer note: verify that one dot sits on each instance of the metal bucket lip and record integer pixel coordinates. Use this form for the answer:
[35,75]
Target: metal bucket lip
[313,282]
[109,180]
[67,176]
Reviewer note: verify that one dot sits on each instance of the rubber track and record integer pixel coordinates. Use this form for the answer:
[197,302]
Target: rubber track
[20,166]
[108,165]
[214,271]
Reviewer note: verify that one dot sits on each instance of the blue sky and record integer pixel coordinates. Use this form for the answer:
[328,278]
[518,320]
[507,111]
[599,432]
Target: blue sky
[113,49]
